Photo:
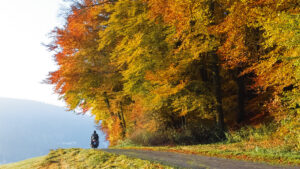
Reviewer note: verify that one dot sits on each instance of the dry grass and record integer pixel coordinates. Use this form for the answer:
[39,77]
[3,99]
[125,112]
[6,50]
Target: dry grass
[83,159]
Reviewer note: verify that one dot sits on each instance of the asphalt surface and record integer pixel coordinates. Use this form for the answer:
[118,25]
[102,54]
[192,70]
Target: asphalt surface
[181,160]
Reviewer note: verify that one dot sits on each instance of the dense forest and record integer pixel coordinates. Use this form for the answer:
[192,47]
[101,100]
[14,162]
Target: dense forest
[181,71]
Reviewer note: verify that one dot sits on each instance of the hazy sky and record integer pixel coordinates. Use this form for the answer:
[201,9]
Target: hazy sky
[24,62]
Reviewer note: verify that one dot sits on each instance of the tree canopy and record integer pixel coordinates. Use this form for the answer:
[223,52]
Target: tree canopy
[151,66]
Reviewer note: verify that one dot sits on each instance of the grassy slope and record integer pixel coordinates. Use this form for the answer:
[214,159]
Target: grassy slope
[82,159]
[26,164]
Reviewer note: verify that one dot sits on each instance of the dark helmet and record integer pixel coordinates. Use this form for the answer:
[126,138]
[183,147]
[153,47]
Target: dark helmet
[95,132]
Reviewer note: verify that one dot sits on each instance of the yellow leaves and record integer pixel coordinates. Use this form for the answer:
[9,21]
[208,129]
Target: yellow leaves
[128,50]
[282,30]
[163,76]
[168,89]
[159,54]
[182,106]
[276,75]
[277,68]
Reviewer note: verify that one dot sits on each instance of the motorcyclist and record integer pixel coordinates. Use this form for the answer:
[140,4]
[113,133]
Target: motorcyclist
[95,140]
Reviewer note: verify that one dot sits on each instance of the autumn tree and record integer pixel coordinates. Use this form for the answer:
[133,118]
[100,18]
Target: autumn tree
[159,66]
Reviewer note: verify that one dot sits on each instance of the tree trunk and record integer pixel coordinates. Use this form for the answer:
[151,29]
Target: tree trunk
[107,104]
[183,122]
[241,98]
[217,78]
[122,120]
[218,92]
[120,114]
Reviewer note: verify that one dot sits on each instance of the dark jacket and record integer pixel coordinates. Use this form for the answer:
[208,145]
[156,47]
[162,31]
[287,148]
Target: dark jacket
[95,136]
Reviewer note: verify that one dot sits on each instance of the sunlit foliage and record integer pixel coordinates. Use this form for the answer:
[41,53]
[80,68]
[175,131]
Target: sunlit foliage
[151,66]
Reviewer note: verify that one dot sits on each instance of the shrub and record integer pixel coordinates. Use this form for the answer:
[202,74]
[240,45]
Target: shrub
[248,132]
[182,136]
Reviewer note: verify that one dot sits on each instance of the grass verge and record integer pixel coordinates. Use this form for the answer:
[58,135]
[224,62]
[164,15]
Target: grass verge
[26,164]
[82,159]
[265,143]
[248,151]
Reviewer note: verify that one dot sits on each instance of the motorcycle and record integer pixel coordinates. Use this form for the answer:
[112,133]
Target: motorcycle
[94,143]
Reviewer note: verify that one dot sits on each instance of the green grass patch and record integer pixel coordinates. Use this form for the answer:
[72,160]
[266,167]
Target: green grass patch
[26,164]
[82,159]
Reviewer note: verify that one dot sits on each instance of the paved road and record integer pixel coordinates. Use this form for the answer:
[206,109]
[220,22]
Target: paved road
[193,161]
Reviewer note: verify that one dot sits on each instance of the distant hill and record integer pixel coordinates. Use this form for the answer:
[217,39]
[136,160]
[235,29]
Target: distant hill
[29,129]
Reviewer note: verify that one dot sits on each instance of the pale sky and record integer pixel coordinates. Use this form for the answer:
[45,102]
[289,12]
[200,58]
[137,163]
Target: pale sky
[24,62]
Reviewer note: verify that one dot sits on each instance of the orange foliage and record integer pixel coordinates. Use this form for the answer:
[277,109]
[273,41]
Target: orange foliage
[150,65]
